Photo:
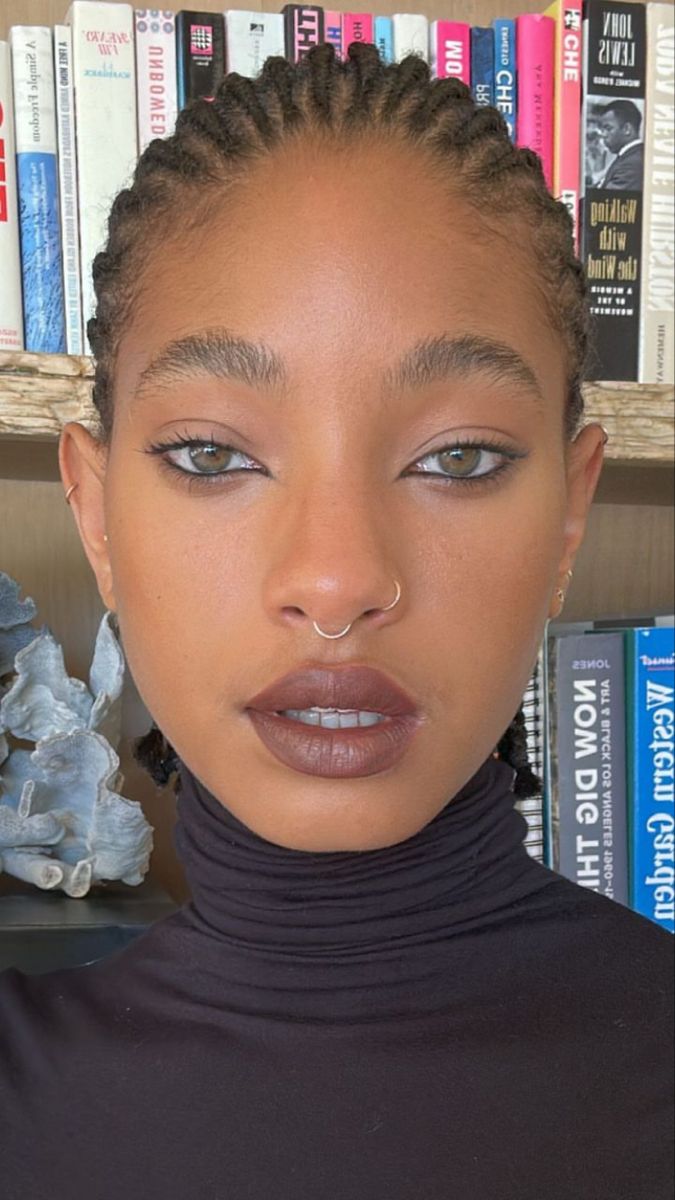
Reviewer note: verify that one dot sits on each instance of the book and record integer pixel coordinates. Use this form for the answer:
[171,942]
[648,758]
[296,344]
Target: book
[411,35]
[11,296]
[612,130]
[303,28]
[505,71]
[535,39]
[156,84]
[534,713]
[357,27]
[252,37]
[384,38]
[38,188]
[450,50]
[332,30]
[567,15]
[657,301]
[651,794]
[483,65]
[200,55]
[69,209]
[586,822]
[104,80]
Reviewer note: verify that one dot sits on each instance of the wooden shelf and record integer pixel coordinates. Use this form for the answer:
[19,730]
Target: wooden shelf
[39,393]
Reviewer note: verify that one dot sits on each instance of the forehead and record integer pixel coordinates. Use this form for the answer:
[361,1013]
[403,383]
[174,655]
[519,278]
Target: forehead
[339,260]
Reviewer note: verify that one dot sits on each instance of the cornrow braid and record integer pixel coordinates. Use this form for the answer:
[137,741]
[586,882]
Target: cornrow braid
[216,142]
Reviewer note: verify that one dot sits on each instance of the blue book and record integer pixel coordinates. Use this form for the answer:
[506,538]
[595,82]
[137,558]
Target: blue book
[650,661]
[505,71]
[384,38]
[38,189]
[483,65]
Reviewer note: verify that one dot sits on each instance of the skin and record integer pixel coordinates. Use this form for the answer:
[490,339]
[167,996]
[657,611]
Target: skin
[616,133]
[339,266]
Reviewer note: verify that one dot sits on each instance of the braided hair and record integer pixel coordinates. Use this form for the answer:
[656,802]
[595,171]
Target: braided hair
[215,142]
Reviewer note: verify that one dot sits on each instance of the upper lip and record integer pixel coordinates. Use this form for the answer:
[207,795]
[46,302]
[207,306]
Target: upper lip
[351,686]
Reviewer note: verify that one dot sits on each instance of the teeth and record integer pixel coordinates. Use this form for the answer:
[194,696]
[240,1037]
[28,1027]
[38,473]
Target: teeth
[333,718]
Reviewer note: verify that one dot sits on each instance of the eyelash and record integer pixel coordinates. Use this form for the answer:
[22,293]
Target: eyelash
[194,480]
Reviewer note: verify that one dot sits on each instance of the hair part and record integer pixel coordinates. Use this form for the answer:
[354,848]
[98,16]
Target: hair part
[341,103]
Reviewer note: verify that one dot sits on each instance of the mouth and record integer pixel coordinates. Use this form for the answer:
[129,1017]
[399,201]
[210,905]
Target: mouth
[337,723]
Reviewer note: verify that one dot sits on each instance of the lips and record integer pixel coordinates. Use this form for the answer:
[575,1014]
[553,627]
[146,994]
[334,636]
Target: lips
[352,686]
[335,753]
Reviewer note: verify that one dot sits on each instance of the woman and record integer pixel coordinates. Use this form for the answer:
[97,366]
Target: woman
[338,492]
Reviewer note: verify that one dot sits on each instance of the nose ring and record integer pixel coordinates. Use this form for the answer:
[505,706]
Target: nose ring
[385,608]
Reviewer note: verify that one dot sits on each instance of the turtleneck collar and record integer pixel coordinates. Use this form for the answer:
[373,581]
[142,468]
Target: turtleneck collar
[279,917]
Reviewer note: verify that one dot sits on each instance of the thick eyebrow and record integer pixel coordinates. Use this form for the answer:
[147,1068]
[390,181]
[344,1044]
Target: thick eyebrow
[439,358]
[221,354]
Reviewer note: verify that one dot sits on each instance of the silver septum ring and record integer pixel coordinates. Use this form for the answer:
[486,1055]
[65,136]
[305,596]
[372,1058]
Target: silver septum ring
[346,630]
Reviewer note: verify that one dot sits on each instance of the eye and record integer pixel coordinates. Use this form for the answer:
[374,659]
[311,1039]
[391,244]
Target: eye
[202,460]
[457,463]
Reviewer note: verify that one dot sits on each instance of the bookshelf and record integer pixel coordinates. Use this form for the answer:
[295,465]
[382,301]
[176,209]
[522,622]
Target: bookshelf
[625,565]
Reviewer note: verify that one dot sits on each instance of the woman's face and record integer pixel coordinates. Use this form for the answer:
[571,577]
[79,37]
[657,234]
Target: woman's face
[337,268]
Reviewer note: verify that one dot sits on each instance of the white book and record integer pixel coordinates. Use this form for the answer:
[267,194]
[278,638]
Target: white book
[104,77]
[70,218]
[11,308]
[250,38]
[157,89]
[657,355]
[37,182]
[411,35]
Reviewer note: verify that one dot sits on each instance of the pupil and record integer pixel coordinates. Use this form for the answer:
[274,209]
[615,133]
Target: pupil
[457,457]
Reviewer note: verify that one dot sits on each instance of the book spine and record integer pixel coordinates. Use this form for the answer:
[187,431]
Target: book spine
[533,708]
[505,72]
[332,30]
[657,348]
[104,79]
[303,28]
[251,38]
[384,38]
[38,187]
[483,65]
[411,35]
[535,42]
[651,714]
[612,183]
[357,27]
[450,50]
[567,15]
[590,751]
[70,217]
[200,55]
[11,307]
[157,96]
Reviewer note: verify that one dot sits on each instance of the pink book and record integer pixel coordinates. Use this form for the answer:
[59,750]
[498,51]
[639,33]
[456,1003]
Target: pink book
[567,105]
[356,27]
[535,46]
[450,49]
[332,30]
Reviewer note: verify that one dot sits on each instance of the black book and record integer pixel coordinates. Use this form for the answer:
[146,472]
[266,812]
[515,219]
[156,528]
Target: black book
[200,54]
[303,28]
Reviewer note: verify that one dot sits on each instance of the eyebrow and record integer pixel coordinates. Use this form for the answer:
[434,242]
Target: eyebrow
[223,355]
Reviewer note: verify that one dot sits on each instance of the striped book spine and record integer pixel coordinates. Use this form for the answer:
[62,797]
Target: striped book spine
[70,216]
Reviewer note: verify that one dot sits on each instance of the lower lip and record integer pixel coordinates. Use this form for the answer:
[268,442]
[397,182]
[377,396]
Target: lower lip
[334,753]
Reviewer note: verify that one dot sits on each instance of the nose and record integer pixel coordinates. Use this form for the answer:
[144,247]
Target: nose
[337,567]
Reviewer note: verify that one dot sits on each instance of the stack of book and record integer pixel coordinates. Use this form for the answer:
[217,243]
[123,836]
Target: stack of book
[591,94]
[600,720]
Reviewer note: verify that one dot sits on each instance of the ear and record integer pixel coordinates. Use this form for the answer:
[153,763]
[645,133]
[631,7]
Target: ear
[82,461]
[585,456]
